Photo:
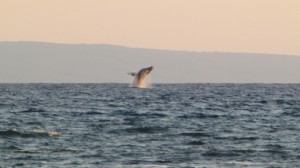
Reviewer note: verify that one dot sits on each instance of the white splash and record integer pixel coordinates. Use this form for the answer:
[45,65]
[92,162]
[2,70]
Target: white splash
[50,133]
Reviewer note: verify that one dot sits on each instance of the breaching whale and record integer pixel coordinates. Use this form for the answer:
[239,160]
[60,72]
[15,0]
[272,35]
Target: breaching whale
[140,76]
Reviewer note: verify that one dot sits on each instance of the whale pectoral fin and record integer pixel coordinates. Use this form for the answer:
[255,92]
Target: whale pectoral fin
[132,73]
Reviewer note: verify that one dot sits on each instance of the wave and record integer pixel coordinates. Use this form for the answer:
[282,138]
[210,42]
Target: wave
[195,134]
[141,130]
[221,154]
[33,110]
[35,133]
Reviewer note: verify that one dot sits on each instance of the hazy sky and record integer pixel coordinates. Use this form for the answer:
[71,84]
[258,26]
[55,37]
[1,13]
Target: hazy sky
[259,26]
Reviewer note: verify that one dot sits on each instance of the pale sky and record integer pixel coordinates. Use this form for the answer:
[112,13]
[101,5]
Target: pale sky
[255,26]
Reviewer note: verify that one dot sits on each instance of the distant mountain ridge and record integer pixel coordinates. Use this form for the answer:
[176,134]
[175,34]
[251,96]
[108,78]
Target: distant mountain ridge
[23,62]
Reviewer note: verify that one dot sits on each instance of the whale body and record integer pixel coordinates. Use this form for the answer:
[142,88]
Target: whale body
[139,78]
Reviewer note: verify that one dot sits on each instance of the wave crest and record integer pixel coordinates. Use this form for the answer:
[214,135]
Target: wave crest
[35,133]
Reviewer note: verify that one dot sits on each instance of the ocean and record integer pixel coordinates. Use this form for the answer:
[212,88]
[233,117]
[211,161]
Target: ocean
[167,125]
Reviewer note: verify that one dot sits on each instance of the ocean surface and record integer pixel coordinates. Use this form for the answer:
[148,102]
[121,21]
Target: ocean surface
[168,125]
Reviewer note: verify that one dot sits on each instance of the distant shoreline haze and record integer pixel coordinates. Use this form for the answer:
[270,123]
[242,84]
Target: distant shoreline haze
[42,62]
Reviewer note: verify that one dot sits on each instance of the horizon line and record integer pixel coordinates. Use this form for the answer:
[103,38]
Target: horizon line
[158,83]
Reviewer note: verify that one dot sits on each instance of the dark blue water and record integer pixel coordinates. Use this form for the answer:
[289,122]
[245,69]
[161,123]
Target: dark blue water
[178,125]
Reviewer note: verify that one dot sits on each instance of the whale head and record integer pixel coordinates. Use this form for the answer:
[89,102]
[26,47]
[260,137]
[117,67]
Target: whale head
[149,69]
